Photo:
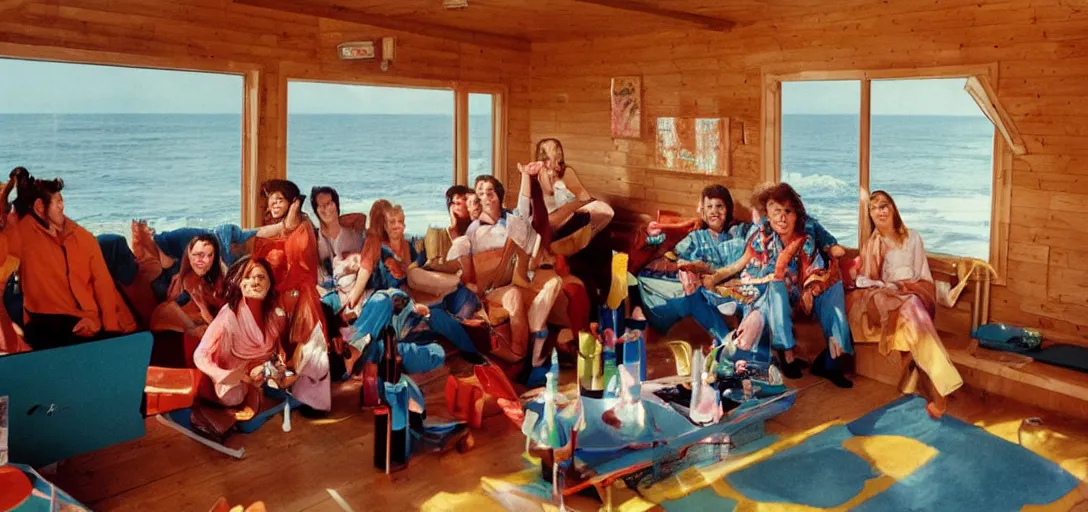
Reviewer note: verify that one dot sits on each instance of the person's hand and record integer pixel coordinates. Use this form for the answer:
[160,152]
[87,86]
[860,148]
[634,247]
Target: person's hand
[697,267]
[354,299]
[294,212]
[744,342]
[865,282]
[838,251]
[653,229]
[453,218]
[689,281]
[531,169]
[892,286]
[421,310]
[197,331]
[255,376]
[709,281]
[85,328]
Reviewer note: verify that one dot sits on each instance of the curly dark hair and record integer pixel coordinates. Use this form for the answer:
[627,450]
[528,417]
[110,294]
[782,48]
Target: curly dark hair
[781,193]
[286,188]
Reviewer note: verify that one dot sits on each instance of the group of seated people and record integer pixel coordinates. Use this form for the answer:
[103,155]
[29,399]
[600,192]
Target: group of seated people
[783,262]
[297,306]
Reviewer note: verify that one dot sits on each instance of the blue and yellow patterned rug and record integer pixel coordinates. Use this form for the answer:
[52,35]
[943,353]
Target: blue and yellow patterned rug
[894,458]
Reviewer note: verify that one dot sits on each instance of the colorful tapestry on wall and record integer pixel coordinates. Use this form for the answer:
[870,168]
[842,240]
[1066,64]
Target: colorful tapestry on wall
[696,145]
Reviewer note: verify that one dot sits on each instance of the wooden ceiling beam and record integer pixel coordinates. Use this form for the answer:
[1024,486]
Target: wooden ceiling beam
[705,22]
[339,12]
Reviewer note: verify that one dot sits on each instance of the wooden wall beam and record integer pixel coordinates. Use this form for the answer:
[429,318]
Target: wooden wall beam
[460,135]
[699,20]
[339,12]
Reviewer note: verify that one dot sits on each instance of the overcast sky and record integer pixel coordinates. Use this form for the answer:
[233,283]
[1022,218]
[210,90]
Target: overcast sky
[47,87]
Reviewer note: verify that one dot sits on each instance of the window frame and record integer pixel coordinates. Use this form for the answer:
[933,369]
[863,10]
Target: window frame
[498,128]
[251,86]
[1007,140]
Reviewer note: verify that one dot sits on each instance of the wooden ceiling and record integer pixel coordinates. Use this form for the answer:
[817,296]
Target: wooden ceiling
[516,23]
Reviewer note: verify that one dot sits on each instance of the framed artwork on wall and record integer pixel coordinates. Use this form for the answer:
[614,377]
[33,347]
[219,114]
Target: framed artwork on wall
[697,145]
[627,107]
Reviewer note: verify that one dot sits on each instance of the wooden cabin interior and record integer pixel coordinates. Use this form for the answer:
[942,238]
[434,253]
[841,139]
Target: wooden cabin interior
[549,66]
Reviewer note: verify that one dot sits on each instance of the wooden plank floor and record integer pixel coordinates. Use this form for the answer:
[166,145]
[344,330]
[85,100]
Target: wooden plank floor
[291,471]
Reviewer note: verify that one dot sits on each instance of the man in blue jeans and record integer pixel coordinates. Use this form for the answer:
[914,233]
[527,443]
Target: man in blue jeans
[665,295]
[783,268]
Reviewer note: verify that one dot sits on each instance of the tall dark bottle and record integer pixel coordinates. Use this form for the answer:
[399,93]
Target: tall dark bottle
[390,445]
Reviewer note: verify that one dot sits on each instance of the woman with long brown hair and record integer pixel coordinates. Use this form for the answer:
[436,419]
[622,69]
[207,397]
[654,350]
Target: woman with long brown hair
[194,297]
[240,345]
[895,303]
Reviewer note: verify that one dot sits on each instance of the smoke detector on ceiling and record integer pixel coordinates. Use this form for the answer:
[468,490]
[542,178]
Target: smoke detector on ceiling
[454,4]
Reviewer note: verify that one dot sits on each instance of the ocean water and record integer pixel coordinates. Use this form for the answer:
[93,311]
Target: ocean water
[938,169]
[185,170]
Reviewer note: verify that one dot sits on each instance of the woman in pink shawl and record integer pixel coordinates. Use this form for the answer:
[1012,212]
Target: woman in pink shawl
[895,302]
[242,348]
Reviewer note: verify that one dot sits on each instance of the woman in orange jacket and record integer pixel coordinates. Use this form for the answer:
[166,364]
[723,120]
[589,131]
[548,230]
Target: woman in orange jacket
[69,296]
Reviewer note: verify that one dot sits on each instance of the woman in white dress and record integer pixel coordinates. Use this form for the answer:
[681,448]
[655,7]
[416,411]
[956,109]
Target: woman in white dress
[895,303]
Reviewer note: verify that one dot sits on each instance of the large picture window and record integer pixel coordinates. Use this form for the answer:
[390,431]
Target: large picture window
[932,149]
[372,143]
[820,152]
[130,143]
[935,139]
[388,142]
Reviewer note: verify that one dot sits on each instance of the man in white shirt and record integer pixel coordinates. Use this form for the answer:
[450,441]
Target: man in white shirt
[488,274]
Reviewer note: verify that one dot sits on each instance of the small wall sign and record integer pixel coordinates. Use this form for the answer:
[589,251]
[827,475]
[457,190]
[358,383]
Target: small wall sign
[356,50]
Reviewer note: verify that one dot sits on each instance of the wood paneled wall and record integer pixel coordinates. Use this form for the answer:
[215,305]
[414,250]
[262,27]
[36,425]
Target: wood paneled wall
[1042,51]
[218,35]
